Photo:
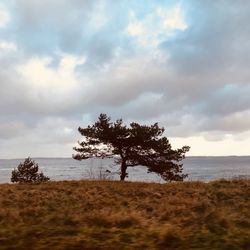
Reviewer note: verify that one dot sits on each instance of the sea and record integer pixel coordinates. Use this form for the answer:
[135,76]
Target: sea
[198,169]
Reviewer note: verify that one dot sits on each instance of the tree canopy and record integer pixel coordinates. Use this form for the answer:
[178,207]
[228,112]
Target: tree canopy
[27,172]
[132,146]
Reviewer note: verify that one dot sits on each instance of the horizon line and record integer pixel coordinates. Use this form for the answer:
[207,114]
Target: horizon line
[55,157]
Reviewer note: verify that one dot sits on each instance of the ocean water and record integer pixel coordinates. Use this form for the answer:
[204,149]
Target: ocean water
[198,168]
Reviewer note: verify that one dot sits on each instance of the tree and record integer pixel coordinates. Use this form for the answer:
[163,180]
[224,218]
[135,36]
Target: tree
[27,172]
[132,146]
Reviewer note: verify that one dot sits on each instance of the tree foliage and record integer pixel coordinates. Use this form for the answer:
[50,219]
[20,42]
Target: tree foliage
[132,146]
[27,172]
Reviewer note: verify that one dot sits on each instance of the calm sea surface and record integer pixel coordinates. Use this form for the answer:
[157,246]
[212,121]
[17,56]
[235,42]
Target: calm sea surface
[198,168]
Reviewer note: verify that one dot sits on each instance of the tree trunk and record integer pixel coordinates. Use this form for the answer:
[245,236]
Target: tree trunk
[123,170]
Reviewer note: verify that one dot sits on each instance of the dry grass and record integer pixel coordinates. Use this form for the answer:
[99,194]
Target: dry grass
[114,215]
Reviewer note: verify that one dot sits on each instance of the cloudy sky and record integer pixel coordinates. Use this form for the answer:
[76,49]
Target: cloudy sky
[184,64]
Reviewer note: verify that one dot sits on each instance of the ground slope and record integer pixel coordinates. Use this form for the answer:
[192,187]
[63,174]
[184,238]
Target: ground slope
[116,215]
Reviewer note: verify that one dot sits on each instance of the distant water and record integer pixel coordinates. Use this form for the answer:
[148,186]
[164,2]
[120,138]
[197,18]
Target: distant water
[198,168]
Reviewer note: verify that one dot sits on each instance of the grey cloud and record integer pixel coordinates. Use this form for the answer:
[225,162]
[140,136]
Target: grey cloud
[46,135]
[218,37]
[230,99]
[43,27]
[12,129]
[203,89]
[232,123]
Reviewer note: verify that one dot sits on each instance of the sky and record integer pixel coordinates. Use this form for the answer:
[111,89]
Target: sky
[184,64]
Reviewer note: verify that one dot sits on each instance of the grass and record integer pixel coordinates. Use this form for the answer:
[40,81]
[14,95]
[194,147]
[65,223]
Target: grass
[115,215]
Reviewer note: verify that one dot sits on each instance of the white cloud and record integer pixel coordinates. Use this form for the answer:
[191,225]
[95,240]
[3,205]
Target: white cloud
[156,26]
[48,87]
[172,19]
[98,18]
[38,73]
[135,29]
[4,17]
[7,46]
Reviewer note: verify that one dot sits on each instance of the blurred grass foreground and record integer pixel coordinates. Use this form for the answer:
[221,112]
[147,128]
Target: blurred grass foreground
[125,215]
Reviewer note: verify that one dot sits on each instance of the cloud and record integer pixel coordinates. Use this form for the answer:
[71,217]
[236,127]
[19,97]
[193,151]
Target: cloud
[7,46]
[217,38]
[233,123]
[157,26]
[42,27]
[51,136]
[50,90]
[38,73]
[4,17]
[12,129]
[185,65]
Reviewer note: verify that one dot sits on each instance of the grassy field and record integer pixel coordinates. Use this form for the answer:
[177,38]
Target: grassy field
[115,215]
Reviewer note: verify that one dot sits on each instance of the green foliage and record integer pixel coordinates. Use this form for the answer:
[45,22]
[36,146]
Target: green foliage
[27,172]
[132,146]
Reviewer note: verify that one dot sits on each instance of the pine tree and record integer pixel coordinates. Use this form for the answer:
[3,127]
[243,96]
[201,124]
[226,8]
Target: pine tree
[132,146]
[27,172]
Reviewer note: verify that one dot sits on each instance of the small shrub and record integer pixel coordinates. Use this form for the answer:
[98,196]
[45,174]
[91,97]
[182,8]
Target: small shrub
[27,172]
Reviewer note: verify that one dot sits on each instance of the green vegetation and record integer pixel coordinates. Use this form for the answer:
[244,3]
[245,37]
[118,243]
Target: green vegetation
[132,146]
[27,172]
[125,215]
